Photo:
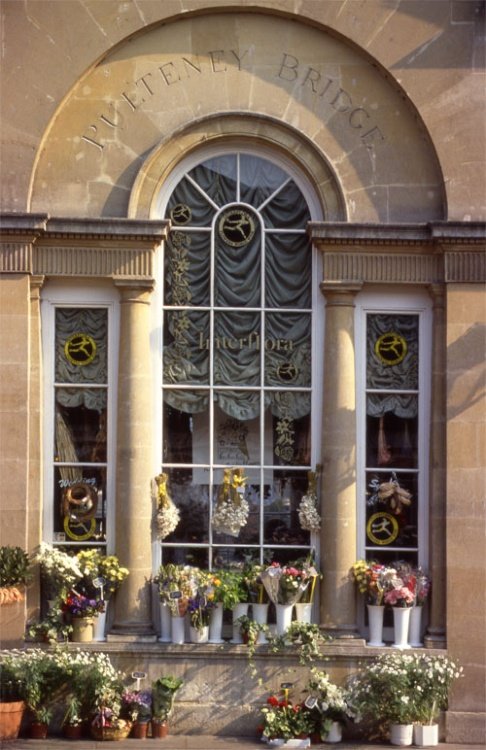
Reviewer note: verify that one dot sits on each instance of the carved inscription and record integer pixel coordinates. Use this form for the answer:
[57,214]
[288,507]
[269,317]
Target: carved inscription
[219,62]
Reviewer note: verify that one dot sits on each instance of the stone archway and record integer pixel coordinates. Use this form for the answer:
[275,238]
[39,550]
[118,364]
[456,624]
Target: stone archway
[155,86]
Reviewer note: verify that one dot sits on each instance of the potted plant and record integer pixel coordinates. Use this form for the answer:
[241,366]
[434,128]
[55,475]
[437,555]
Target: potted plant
[369,576]
[51,629]
[330,706]
[44,680]
[12,692]
[72,722]
[14,573]
[59,570]
[82,611]
[431,679]
[286,724]
[251,630]
[137,707]
[381,697]
[305,636]
[164,690]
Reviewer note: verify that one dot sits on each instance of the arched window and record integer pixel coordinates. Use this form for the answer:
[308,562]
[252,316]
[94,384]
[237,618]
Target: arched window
[237,359]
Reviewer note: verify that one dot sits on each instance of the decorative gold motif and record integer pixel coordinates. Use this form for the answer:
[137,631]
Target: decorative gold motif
[86,529]
[382,528]
[391,348]
[287,372]
[181,213]
[284,447]
[80,349]
[236,227]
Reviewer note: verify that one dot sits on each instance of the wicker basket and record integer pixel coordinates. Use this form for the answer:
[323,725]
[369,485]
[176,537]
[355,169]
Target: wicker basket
[119,732]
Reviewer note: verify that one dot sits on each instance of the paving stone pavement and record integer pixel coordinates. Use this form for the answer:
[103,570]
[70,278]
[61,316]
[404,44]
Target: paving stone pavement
[189,742]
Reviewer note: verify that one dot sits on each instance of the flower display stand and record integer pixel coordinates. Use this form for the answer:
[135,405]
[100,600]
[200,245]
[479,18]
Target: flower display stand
[425,735]
[216,624]
[99,627]
[303,612]
[239,610]
[401,734]
[165,623]
[178,629]
[375,620]
[284,617]
[83,629]
[260,615]
[401,624]
[415,632]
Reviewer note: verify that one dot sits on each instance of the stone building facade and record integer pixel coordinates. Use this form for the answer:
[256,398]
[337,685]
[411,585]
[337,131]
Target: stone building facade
[349,138]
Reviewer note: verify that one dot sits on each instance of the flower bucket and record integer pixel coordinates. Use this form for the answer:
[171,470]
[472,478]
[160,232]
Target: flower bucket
[160,729]
[99,627]
[303,612]
[72,731]
[83,629]
[284,617]
[415,634]
[11,713]
[216,624]
[401,734]
[199,635]
[335,733]
[260,615]
[165,626]
[178,629]
[401,624]
[238,611]
[425,735]
[375,620]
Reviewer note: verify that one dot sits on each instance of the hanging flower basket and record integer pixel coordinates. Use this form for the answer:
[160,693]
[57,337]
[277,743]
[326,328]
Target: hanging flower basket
[232,510]
[168,515]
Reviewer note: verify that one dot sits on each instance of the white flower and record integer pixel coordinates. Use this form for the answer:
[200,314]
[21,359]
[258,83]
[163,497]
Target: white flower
[309,517]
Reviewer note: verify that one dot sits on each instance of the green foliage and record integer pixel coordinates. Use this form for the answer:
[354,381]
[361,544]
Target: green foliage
[14,566]
[163,695]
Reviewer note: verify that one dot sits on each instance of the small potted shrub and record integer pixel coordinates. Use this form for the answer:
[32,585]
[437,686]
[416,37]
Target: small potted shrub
[72,722]
[163,695]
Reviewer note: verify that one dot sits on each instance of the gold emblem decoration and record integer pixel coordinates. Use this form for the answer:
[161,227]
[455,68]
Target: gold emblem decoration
[391,348]
[80,349]
[287,372]
[382,528]
[181,213]
[236,227]
[79,505]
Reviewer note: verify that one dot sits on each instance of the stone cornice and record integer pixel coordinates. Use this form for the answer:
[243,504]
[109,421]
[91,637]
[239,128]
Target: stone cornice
[52,246]
[435,253]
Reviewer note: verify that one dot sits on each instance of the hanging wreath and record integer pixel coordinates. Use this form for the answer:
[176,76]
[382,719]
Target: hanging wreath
[232,510]
[309,517]
[168,516]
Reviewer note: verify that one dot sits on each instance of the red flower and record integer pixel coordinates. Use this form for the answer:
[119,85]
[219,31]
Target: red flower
[272,701]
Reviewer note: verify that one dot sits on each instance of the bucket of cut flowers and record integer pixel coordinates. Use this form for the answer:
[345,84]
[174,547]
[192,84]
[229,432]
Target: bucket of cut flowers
[82,612]
[328,705]
[286,724]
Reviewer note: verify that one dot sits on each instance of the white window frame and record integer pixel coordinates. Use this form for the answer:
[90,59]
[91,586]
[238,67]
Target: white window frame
[395,301]
[318,306]
[66,294]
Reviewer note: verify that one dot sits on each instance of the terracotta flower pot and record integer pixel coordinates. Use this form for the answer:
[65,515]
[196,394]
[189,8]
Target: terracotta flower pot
[160,729]
[72,731]
[139,730]
[11,713]
[38,730]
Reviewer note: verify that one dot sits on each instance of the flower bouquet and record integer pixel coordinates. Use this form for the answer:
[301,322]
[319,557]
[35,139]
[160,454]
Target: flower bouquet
[102,569]
[330,704]
[232,510]
[59,570]
[78,605]
[370,578]
[168,515]
[285,584]
[309,517]
[177,584]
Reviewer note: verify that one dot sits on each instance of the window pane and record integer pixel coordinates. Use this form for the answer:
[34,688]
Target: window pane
[288,349]
[79,503]
[185,435]
[81,345]
[186,334]
[282,500]
[237,348]
[291,441]
[391,428]
[187,268]
[80,425]
[288,271]
[189,491]
[391,510]
[238,251]
[287,210]
[392,361]
[237,441]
